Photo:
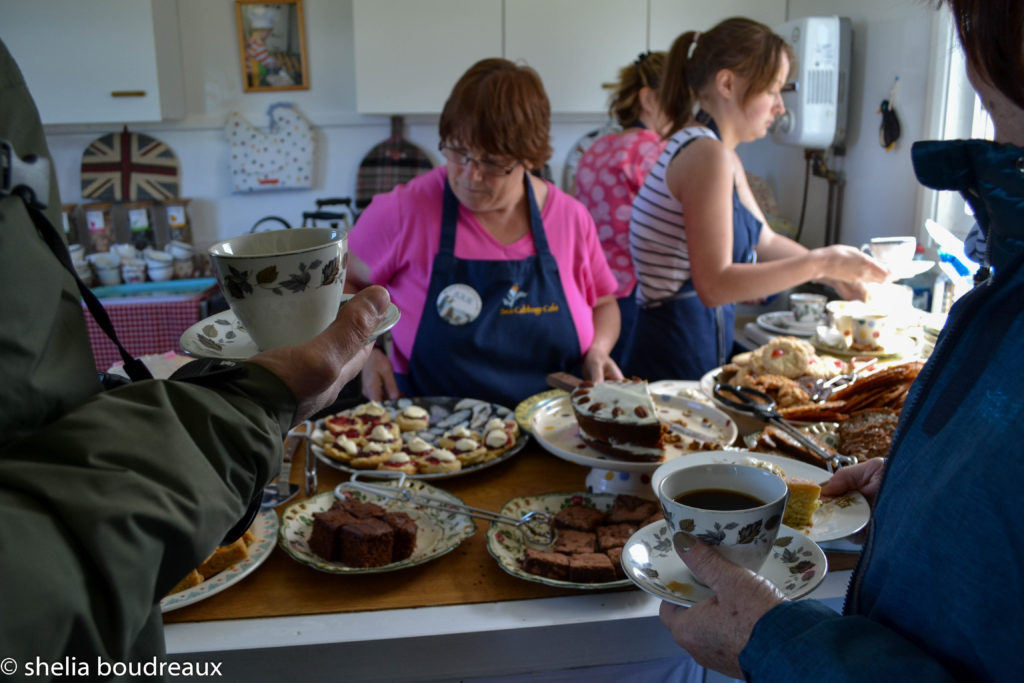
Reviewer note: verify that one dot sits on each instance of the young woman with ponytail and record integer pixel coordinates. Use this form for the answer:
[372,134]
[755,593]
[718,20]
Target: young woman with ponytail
[698,240]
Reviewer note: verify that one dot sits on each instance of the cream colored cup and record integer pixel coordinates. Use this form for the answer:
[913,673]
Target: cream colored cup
[868,330]
[744,536]
[807,307]
[285,286]
[892,251]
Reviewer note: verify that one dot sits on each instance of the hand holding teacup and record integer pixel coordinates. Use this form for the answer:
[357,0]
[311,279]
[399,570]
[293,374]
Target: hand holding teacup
[285,286]
[735,509]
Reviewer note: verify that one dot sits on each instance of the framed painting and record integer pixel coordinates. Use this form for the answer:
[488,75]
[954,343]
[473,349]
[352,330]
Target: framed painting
[272,45]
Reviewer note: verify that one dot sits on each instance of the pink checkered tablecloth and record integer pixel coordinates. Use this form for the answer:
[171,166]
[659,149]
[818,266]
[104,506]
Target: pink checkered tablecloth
[145,325]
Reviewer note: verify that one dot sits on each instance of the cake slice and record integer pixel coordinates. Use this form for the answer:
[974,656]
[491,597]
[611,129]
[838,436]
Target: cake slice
[803,501]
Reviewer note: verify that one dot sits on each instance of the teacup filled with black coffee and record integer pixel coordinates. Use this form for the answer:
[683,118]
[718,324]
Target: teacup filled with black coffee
[734,508]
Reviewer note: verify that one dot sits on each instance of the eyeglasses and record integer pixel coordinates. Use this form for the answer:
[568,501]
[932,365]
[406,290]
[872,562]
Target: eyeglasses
[487,167]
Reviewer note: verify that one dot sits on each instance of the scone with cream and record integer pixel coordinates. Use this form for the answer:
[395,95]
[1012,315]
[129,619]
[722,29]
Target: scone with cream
[412,418]
[439,460]
[399,462]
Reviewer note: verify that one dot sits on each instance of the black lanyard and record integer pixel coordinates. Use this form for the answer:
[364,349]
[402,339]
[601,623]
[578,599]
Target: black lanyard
[135,368]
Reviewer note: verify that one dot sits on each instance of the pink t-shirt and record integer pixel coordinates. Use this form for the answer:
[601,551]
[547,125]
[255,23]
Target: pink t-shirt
[608,176]
[399,234]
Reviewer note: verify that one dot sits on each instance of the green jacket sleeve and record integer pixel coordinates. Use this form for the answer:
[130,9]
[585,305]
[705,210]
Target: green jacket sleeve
[107,507]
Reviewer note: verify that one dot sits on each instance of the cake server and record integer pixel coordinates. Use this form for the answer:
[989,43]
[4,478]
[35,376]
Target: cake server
[535,525]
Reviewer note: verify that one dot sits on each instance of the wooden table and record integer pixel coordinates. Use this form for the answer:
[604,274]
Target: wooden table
[458,601]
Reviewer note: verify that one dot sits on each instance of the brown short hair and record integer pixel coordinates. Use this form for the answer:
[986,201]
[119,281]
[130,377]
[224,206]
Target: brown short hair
[992,35]
[746,47]
[501,108]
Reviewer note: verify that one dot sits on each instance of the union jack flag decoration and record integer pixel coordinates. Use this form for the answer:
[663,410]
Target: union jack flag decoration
[129,167]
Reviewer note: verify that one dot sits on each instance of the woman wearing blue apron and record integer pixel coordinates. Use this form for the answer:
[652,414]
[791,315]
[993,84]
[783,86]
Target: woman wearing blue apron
[494,356]
[492,300]
[699,241]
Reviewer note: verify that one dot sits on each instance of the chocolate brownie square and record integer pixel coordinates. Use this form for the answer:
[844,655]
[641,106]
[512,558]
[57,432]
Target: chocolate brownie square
[615,555]
[632,509]
[405,535]
[550,565]
[324,539]
[591,568]
[358,508]
[578,517]
[613,535]
[366,543]
[570,541]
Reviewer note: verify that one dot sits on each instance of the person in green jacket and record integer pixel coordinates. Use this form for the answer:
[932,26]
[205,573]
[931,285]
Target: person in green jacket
[108,498]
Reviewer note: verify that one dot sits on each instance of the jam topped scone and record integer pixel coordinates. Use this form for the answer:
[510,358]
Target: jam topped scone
[439,460]
[449,438]
[371,414]
[510,426]
[413,419]
[418,448]
[343,424]
[399,462]
[386,435]
[496,442]
[369,456]
[342,449]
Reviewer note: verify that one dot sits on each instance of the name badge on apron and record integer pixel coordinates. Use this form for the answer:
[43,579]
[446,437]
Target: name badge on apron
[459,304]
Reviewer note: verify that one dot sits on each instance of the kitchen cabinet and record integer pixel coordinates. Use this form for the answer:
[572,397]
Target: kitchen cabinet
[409,53]
[576,45]
[669,18]
[97,62]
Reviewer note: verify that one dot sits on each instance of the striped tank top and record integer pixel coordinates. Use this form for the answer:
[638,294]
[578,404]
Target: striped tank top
[657,240]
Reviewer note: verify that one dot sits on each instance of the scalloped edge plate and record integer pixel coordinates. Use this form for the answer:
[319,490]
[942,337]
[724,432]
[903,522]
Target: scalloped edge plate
[222,335]
[554,426]
[796,566]
[505,542]
[837,518]
[433,433]
[265,528]
[439,532]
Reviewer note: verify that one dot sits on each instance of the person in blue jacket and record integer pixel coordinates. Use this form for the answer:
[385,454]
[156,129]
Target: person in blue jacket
[937,593]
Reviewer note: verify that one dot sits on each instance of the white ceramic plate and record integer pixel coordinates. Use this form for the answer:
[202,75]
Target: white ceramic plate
[222,336]
[524,411]
[796,566]
[783,322]
[264,527]
[901,346]
[554,426]
[439,532]
[910,269]
[506,545]
[834,519]
[445,413]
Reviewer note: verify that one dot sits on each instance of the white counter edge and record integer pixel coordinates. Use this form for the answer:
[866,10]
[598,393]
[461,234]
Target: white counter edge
[397,624]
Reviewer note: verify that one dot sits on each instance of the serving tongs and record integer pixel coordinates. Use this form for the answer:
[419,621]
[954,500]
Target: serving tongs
[535,525]
[760,405]
[822,389]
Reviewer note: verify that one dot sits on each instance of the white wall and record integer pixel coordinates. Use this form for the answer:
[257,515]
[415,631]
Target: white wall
[891,37]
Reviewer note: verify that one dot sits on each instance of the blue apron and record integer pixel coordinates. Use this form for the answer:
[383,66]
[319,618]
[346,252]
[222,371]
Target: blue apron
[681,338]
[523,330]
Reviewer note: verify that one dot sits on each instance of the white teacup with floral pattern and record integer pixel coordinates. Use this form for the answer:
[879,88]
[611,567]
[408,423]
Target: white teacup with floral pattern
[743,536]
[285,286]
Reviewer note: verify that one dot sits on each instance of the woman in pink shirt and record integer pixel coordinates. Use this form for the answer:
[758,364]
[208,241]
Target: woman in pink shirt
[499,275]
[613,169]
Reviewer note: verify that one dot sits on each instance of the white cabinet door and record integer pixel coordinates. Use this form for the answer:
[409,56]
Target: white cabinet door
[576,45]
[409,53]
[95,62]
[669,18]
